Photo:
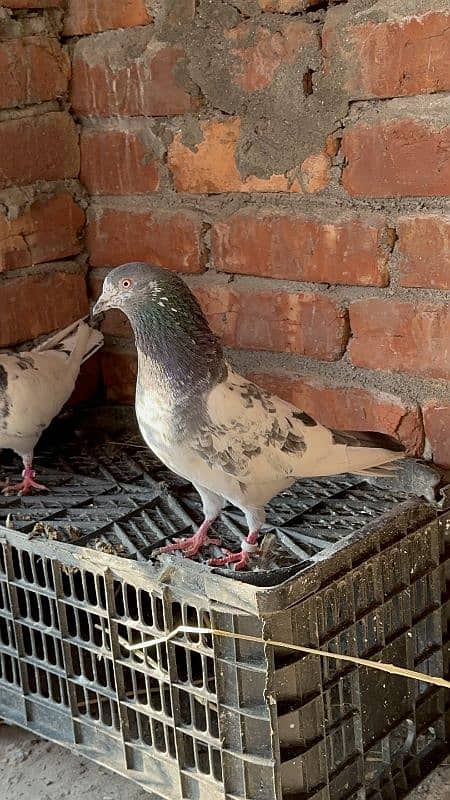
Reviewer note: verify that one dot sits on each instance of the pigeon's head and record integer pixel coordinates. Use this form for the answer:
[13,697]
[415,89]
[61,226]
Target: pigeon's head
[138,286]
[166,319]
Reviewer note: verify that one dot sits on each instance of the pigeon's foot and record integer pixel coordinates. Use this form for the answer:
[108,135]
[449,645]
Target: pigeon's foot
[192,544]
[25,485]
[240,559]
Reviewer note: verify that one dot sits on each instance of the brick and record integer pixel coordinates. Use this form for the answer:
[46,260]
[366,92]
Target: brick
[256,64]
[298,247]
[34,69]
[117,162]
[129,73]
[88,382]
[36,304]
[424,251]
[349,407]
[38,148]
[169,239]
[211,167]
[315,172]
[294,322]
[406,55]
[436,417]
[32,3]
[394,158]
[119,370]
[49,230]
[92,16]
[402,337]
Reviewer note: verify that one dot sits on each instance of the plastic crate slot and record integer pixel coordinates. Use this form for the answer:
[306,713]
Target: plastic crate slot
[333,669]
[96,706]
[154,659]
[195,669]
[87,702]
[46,685]
[341,700]
[425,595]
[42,646]
[84,586]
[145,607]
[145,690]
[9,669]
[4,597]
[369,635]
[158,734]
[396,615]
[84,626]
[138,727]
[7,632]
[36,607]
[341,746]
[2,560]
[202,757]
[335,609]
[92,667]
[138,606]
[427,634]
[394,570]
[431,665]
[131,604]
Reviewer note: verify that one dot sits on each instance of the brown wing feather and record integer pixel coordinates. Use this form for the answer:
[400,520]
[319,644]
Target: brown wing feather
[367,439]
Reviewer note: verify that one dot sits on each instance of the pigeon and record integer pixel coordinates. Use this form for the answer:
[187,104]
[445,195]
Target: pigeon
[34,386]
[235,442]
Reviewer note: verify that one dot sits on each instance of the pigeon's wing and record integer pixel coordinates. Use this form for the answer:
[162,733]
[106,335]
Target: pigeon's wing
[256,437]
[34,385]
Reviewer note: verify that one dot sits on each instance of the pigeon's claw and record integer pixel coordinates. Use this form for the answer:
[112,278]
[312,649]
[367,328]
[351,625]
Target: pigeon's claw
[241,558]
[192,545]
[25,485]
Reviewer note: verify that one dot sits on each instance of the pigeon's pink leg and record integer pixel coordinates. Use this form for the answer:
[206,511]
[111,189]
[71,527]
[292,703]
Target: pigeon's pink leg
[192,544]
[240,559]
[28,481]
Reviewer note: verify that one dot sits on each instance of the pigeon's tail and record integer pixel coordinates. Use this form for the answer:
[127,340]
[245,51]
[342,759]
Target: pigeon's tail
[370,453]
[78,341]
[94,343]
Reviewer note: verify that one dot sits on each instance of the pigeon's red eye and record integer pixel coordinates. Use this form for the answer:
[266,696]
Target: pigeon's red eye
[126,283]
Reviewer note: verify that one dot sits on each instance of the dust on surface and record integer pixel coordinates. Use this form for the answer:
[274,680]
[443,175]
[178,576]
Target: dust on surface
[33,769]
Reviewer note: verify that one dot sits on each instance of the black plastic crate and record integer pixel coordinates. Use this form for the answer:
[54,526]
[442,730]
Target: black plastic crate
[356,568]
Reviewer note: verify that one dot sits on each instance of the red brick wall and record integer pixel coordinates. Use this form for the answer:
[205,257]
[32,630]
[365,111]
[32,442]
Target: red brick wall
[42,281]
[290,157]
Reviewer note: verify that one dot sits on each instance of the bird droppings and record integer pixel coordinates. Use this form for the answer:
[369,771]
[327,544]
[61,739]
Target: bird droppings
[106,547]
[65,533]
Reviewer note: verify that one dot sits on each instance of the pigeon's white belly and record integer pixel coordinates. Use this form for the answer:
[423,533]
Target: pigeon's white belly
[23,445]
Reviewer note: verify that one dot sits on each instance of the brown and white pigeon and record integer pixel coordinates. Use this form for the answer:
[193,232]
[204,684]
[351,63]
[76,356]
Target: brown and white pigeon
[232,440]
[34,386]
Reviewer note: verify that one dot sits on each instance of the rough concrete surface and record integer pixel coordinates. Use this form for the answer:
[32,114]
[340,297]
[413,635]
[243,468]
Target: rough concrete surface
[33,769]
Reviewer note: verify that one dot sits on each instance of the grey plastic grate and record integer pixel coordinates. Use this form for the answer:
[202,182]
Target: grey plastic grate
[119,498]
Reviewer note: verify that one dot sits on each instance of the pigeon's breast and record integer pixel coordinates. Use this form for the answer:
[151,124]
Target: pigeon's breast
[155,405]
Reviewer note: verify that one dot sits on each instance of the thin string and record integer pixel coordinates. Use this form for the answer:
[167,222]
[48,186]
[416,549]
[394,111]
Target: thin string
[392,669]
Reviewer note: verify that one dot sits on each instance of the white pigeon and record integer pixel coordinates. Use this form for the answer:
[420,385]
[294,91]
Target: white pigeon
[34,386]
[234,441]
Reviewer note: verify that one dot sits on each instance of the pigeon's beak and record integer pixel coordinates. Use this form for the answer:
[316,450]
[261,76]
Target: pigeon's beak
[102,304]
